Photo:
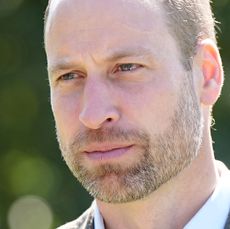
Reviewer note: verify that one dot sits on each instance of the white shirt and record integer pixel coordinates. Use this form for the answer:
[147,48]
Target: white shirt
[212,215]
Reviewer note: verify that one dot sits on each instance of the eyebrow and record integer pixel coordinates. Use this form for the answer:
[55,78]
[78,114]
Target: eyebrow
[65,64]
[61,65]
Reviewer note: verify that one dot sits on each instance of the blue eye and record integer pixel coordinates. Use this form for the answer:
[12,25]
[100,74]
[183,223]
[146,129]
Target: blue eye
[68,76]
[127,67]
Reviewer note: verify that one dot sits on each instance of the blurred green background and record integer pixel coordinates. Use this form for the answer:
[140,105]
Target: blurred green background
[36,188]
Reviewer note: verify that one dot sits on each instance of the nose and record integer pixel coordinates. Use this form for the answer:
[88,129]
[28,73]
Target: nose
[98,108]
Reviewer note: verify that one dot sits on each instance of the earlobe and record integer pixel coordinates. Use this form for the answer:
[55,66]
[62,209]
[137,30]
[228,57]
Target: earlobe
[212,71]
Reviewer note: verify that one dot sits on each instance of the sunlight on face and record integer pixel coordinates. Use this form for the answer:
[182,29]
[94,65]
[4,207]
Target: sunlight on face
[161,157]
[142,98]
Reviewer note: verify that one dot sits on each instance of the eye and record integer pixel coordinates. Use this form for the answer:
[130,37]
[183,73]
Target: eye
[69,76]
[127,67]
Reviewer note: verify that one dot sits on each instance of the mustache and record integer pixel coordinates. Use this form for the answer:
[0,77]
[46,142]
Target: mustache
[107,135]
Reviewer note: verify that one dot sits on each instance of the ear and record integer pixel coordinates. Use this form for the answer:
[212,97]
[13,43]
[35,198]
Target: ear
[210,65]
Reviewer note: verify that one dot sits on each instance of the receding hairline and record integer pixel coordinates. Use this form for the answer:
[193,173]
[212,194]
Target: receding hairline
[188,22]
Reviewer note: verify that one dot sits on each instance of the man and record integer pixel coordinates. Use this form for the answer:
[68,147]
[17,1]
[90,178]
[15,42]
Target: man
[132,88]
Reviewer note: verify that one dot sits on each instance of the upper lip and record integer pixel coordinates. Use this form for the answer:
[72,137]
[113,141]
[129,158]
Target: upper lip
[104,147]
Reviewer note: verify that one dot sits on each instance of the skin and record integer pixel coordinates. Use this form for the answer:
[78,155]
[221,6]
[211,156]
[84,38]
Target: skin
[91,43]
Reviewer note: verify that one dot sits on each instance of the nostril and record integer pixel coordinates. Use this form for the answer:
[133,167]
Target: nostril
[109,119]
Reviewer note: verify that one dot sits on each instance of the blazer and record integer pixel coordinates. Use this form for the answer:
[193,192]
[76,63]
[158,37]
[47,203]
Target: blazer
[85,221]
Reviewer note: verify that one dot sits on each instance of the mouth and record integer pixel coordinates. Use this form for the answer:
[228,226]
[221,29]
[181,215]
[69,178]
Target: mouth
[107,152]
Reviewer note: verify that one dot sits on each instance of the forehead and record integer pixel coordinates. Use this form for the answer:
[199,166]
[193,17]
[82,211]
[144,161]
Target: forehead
[99,25]
[138,10]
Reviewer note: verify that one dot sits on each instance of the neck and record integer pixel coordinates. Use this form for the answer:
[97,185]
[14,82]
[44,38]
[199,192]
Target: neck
[173,204]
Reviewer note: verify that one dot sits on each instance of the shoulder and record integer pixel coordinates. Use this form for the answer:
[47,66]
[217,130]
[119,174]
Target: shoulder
[85,221]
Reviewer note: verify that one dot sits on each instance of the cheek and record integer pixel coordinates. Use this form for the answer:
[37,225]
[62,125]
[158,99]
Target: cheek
[66,112]
[150,106]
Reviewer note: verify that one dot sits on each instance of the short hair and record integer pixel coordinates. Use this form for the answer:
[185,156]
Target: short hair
[188,20]
[46,14]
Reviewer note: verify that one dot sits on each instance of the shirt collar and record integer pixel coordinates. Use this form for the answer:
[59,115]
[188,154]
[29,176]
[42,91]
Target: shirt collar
[98,220]
[214,212]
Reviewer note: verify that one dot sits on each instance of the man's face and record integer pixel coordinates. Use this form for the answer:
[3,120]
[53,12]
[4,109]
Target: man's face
[126,111]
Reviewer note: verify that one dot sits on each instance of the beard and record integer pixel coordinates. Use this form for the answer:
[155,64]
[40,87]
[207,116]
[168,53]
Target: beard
[161,156]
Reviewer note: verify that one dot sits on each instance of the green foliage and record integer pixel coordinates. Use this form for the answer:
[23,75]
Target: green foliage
[30,160]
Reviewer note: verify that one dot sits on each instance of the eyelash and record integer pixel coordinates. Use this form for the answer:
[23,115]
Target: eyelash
[129,68]
[70,76]
[67,76]
[132,67]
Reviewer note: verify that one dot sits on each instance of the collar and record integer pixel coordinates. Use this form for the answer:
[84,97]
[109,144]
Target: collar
[214,212]
[98,220]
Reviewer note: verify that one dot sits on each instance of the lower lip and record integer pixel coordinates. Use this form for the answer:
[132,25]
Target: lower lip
[111,154]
